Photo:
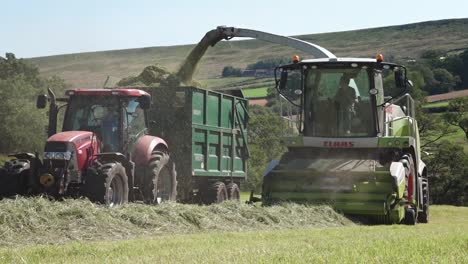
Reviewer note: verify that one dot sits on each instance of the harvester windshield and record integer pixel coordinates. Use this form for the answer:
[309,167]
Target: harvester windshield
[335,101]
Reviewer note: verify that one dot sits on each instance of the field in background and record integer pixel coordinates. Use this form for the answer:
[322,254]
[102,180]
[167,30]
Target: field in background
[90,70]
[444,240]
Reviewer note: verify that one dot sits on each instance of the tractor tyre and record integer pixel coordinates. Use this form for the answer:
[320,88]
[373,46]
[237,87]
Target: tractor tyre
[107,184]
[215,193]
[161,178]
[233,191]
[423,217]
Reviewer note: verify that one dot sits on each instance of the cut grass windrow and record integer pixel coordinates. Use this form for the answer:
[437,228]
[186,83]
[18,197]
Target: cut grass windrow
[38,220]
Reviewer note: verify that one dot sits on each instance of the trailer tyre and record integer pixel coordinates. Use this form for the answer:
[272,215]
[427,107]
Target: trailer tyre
[162,177]
[215,193]
[233,191]
[221,192]
[107,184]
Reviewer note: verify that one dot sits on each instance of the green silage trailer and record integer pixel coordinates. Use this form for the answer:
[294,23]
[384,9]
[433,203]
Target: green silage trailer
[206,132]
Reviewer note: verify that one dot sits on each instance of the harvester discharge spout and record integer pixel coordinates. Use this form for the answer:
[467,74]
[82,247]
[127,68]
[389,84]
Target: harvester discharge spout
[212,37]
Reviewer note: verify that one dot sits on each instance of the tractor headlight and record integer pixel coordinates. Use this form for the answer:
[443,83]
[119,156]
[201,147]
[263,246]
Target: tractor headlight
[58,155]
[49,155]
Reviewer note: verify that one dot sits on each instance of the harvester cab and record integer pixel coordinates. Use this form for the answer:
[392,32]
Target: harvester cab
[103,151]
[352,142]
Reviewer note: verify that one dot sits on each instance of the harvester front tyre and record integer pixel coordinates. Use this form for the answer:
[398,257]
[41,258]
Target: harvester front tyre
[233,191]
[163,177]
[107,184]
[410,216]
[423,217]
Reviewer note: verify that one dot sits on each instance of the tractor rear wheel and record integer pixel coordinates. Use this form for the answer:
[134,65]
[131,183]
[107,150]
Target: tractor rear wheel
[233,191]
[162,178]
[107,184]
[423,217]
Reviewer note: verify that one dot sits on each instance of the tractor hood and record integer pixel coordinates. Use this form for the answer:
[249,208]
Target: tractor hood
[75,142]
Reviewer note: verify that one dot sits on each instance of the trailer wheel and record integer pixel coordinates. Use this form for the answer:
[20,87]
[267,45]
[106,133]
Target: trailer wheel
[107,184]
[423,217]
[163,179]
[233,191]
[215,193]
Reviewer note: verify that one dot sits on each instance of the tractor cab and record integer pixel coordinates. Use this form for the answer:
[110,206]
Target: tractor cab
[116,117]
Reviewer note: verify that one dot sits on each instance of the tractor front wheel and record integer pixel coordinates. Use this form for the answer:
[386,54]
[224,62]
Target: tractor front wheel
[107,184]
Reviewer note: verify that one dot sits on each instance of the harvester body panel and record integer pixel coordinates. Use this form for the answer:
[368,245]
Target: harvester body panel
[349,144]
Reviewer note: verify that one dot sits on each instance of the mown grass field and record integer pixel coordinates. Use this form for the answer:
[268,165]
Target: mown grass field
[436,104]
[255,93]
[444,240]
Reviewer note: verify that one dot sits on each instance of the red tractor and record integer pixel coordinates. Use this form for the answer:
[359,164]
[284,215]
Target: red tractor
[103,152]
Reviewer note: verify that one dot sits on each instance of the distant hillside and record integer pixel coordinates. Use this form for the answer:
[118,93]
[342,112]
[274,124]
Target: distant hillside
[403,41]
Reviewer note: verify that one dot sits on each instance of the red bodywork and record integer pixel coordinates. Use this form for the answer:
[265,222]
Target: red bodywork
[143,148]
[82,140]
[121,92]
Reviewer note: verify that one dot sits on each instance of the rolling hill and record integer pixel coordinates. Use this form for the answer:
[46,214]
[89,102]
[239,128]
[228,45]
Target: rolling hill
[402,41]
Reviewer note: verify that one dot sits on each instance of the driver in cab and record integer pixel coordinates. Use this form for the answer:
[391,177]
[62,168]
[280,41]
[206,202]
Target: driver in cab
[345,100]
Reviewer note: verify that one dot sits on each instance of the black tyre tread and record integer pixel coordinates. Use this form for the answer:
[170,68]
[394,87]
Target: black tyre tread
[98,179]
[410,217]
[423,217]
[220,192]
[233,191]
[158,161]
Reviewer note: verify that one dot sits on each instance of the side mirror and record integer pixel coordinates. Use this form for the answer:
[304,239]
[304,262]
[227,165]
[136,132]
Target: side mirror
[41,101]
[283,80]
[400,79]
[145,102]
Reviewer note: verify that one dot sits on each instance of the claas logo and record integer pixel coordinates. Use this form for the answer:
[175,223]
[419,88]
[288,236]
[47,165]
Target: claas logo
[338,144]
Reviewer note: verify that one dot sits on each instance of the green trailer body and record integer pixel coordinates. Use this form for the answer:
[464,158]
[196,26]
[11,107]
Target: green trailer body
[207,136]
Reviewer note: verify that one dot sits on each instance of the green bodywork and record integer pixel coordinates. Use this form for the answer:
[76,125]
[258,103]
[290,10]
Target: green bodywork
[219,140]
[362,171]
[206,132]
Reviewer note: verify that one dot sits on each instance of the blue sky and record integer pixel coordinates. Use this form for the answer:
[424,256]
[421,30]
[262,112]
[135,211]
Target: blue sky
[32,28]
